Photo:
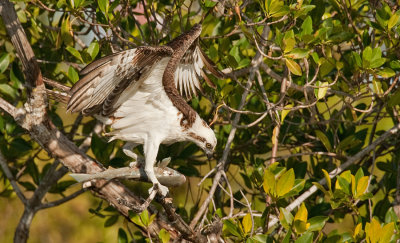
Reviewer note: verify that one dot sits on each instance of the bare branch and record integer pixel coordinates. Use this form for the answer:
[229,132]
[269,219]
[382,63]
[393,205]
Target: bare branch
[10,177]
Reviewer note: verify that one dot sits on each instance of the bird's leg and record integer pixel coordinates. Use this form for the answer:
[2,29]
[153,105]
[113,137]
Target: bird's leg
[127,149]
[151,150]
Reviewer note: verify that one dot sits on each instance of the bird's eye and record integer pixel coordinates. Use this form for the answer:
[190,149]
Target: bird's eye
[208,145]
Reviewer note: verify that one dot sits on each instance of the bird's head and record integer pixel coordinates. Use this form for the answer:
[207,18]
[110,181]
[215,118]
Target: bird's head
[203,136]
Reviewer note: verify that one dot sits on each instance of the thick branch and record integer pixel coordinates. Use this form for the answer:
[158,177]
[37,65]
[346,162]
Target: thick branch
[18,38]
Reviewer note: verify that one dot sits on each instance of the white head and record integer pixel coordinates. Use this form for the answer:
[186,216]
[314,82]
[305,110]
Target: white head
[203,136]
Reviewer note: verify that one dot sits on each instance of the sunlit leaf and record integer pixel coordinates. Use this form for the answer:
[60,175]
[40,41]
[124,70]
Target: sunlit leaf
[293,67]
[247,223]
[393,20]
[285,183]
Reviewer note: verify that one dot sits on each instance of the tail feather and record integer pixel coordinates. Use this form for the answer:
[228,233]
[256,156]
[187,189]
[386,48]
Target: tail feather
[81,177]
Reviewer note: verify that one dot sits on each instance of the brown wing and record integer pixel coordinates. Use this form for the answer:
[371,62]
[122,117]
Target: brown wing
[190,69]
[105,79]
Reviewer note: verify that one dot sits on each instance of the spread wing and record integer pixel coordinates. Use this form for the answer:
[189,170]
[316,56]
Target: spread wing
[105,79]
[190,69]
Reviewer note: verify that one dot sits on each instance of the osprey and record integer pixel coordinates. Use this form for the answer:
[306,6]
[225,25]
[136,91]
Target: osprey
[136,93]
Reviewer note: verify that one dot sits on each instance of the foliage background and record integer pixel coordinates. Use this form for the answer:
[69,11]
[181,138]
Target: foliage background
[309,85]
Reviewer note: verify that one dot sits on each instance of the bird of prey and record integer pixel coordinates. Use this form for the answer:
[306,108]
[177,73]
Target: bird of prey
[136,93]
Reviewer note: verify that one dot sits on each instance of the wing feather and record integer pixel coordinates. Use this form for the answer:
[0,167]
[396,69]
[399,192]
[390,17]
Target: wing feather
[190,69]
[105,79]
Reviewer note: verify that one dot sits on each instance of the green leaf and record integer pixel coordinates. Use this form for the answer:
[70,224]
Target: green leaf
[275,8]
[232,228]
[93,49]
[362,186]
[234,52]
[328,179]
[305,238]
[367,57]
[66,36]
[269,183]
[386,72]
[306,27]
[317,223]
[377,62]
[393,20]
[302,213]
[4,62]
[164,236]
[144,216]
[357,59]
[289,44]
[287,238]
[260,238]
[327,65]
[209,3]
[285,218]
[293,67]
[285,112]
[8,90]
[393,100]
[103,5]
[359,174]
[75,53]
[321,92]
[395,64]
[111,221]
[391,216]
[324,139]
[315,57]
[247,223]
[137,220]
[344,185]
[73,74]
[387,233]
[285,183]
[296,189]
[122,236]
[298,53]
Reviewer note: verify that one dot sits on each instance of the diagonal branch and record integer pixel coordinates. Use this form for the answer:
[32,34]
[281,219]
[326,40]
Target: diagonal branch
[10,177]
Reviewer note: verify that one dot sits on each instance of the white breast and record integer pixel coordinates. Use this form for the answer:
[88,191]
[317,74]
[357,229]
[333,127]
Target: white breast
[145,110]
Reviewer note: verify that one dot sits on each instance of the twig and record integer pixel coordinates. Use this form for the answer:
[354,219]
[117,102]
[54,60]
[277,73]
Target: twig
[62,200]
[10,177]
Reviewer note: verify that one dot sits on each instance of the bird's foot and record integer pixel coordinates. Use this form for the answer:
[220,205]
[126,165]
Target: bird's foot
[163,190]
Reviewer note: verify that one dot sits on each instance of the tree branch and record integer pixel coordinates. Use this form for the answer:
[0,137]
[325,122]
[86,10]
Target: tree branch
[11,178]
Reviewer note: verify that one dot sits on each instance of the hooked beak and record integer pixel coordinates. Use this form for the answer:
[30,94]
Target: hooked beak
[209,155]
